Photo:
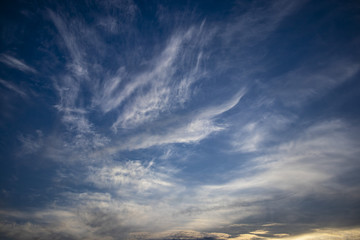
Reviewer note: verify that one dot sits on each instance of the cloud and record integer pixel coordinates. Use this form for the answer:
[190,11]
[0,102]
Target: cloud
[118,186]
[327,233]
[31,144]
[135,194]
[82,137]
[311,160]
[60,223]
[253,135]
[180,234]
[130,178]
[158,74]
[318,234]
[247,237]
[199,126]
[259,21]
[280,235]
[307,166]
[68,89]
[164,86]
[13,88]
[261,232]
[78,65]
[97,217]
[16,63]
[313,80]
[272,224]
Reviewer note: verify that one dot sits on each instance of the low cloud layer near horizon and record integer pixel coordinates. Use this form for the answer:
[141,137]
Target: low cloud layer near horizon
[161,120]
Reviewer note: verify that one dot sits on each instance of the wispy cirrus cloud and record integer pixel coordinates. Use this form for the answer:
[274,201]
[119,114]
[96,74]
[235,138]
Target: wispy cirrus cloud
[259,22]
[252,136]
[69,85]
[313,81]
[82,132]
[73,107]
[78,65]
[16,63]
[13,88]
[309,165]
[132,177]
[120,15]
[312,159]
[165,86]
[32,144]
[197,127]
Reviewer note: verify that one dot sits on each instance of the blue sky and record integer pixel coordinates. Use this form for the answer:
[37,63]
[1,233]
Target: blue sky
[224,120]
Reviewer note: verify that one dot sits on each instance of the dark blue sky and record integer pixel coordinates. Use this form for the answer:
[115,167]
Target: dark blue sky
[226,120]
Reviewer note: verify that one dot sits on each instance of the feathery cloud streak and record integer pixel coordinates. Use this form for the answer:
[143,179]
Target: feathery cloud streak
[16,64]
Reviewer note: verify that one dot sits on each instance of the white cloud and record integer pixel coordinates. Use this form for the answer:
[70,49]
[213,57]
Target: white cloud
[256,24]
[306,166]
[78,65]
[247,237]
[280,235]
[303,165]
[63,223]
[130,178]
[16,63]
[184,234]
[73,116]
[261,232]
[31,144]
[14,88]
[249,139]
[324,234]
[164,85]
[197,128]
[68,89]
[252,136]
[145,196]
[144,108]
[312,80]
[162,69]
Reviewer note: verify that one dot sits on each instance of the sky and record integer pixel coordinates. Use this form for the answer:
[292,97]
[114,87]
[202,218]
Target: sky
[154,120]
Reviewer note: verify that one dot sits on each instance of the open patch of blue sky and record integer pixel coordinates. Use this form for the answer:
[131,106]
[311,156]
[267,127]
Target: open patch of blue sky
[228,120]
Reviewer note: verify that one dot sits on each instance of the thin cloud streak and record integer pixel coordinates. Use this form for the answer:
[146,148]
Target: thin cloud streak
[306,83]
[259,22]
[78,65]
[131,178]
[16,64]
[13,88]
[166,90]
[199,127]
